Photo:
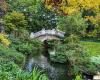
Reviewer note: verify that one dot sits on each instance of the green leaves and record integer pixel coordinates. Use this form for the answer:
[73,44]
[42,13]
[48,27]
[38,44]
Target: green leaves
[78,77]
[73,24]
[95,59]
[11,71]
[27,47]
[8,70]
[10,54]
[72,39]
[15,21]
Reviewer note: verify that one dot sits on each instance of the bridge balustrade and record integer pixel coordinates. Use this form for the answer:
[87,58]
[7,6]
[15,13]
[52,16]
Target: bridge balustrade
[44,32]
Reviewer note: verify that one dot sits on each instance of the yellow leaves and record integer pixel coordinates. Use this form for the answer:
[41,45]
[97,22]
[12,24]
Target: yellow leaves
[69,10]
[15,20]
[66,6]
[48,6]
[71,6]
[95,20]
[72,2]
[90,4]
[4,40]
[17,15]
[89,18]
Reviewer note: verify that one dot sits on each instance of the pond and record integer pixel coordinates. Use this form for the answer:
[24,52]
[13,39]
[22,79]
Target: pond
[56,71]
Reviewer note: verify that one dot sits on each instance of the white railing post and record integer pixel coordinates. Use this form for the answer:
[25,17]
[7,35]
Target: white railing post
[43,32]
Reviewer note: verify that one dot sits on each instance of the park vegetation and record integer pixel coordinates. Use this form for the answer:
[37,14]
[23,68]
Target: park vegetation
[79,49]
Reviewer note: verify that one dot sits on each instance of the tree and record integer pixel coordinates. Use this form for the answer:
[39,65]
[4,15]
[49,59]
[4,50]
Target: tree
[15,21]
[94,25]
[90,11]
[72,24]
[71,6]
[37,15]
[42,19]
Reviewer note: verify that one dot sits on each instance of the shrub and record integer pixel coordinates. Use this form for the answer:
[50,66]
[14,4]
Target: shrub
[38,75]
[15,21]
[4,40]
[67,51]
[12,55]
[27,47]
[75,56]
[11,71]
[8,70]
[96,61]
[72,39]
[78,77]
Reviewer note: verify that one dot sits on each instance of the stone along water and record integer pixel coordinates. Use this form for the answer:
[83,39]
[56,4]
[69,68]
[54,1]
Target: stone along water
[56,71]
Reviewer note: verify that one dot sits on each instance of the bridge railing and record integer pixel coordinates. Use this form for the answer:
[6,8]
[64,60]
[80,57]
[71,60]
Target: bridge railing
[44,32]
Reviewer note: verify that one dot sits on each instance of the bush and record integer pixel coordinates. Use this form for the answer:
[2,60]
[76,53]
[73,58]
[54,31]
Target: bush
[72,39]
[75,56]
[12,55]
[8,70]
[38,75]
[27,47]
[78,77]
[11,71]
[4,40]
[64,52]
[96,61]
[15,21]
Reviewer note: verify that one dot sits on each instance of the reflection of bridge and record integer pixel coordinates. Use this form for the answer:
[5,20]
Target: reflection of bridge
[48,34]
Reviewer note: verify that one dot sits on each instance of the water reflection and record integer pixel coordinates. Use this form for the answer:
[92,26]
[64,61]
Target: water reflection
[56,71]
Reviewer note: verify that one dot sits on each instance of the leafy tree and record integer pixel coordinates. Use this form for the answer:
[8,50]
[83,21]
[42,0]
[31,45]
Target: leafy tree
[37,15]
[15,21]
[89,8]
[42,19]
[73,24]
[94,25]
[71,6]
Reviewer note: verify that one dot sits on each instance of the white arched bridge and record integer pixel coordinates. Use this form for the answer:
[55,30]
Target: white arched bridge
[47,34]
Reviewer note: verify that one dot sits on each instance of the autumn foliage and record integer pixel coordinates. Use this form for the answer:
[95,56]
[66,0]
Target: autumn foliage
[71,6]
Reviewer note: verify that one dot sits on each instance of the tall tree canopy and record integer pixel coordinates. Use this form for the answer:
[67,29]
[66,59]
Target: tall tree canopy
[70,6]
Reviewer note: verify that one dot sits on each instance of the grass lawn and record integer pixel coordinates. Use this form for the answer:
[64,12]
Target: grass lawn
[92,47]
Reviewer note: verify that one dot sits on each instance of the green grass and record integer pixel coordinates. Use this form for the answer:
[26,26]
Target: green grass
[93,48]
